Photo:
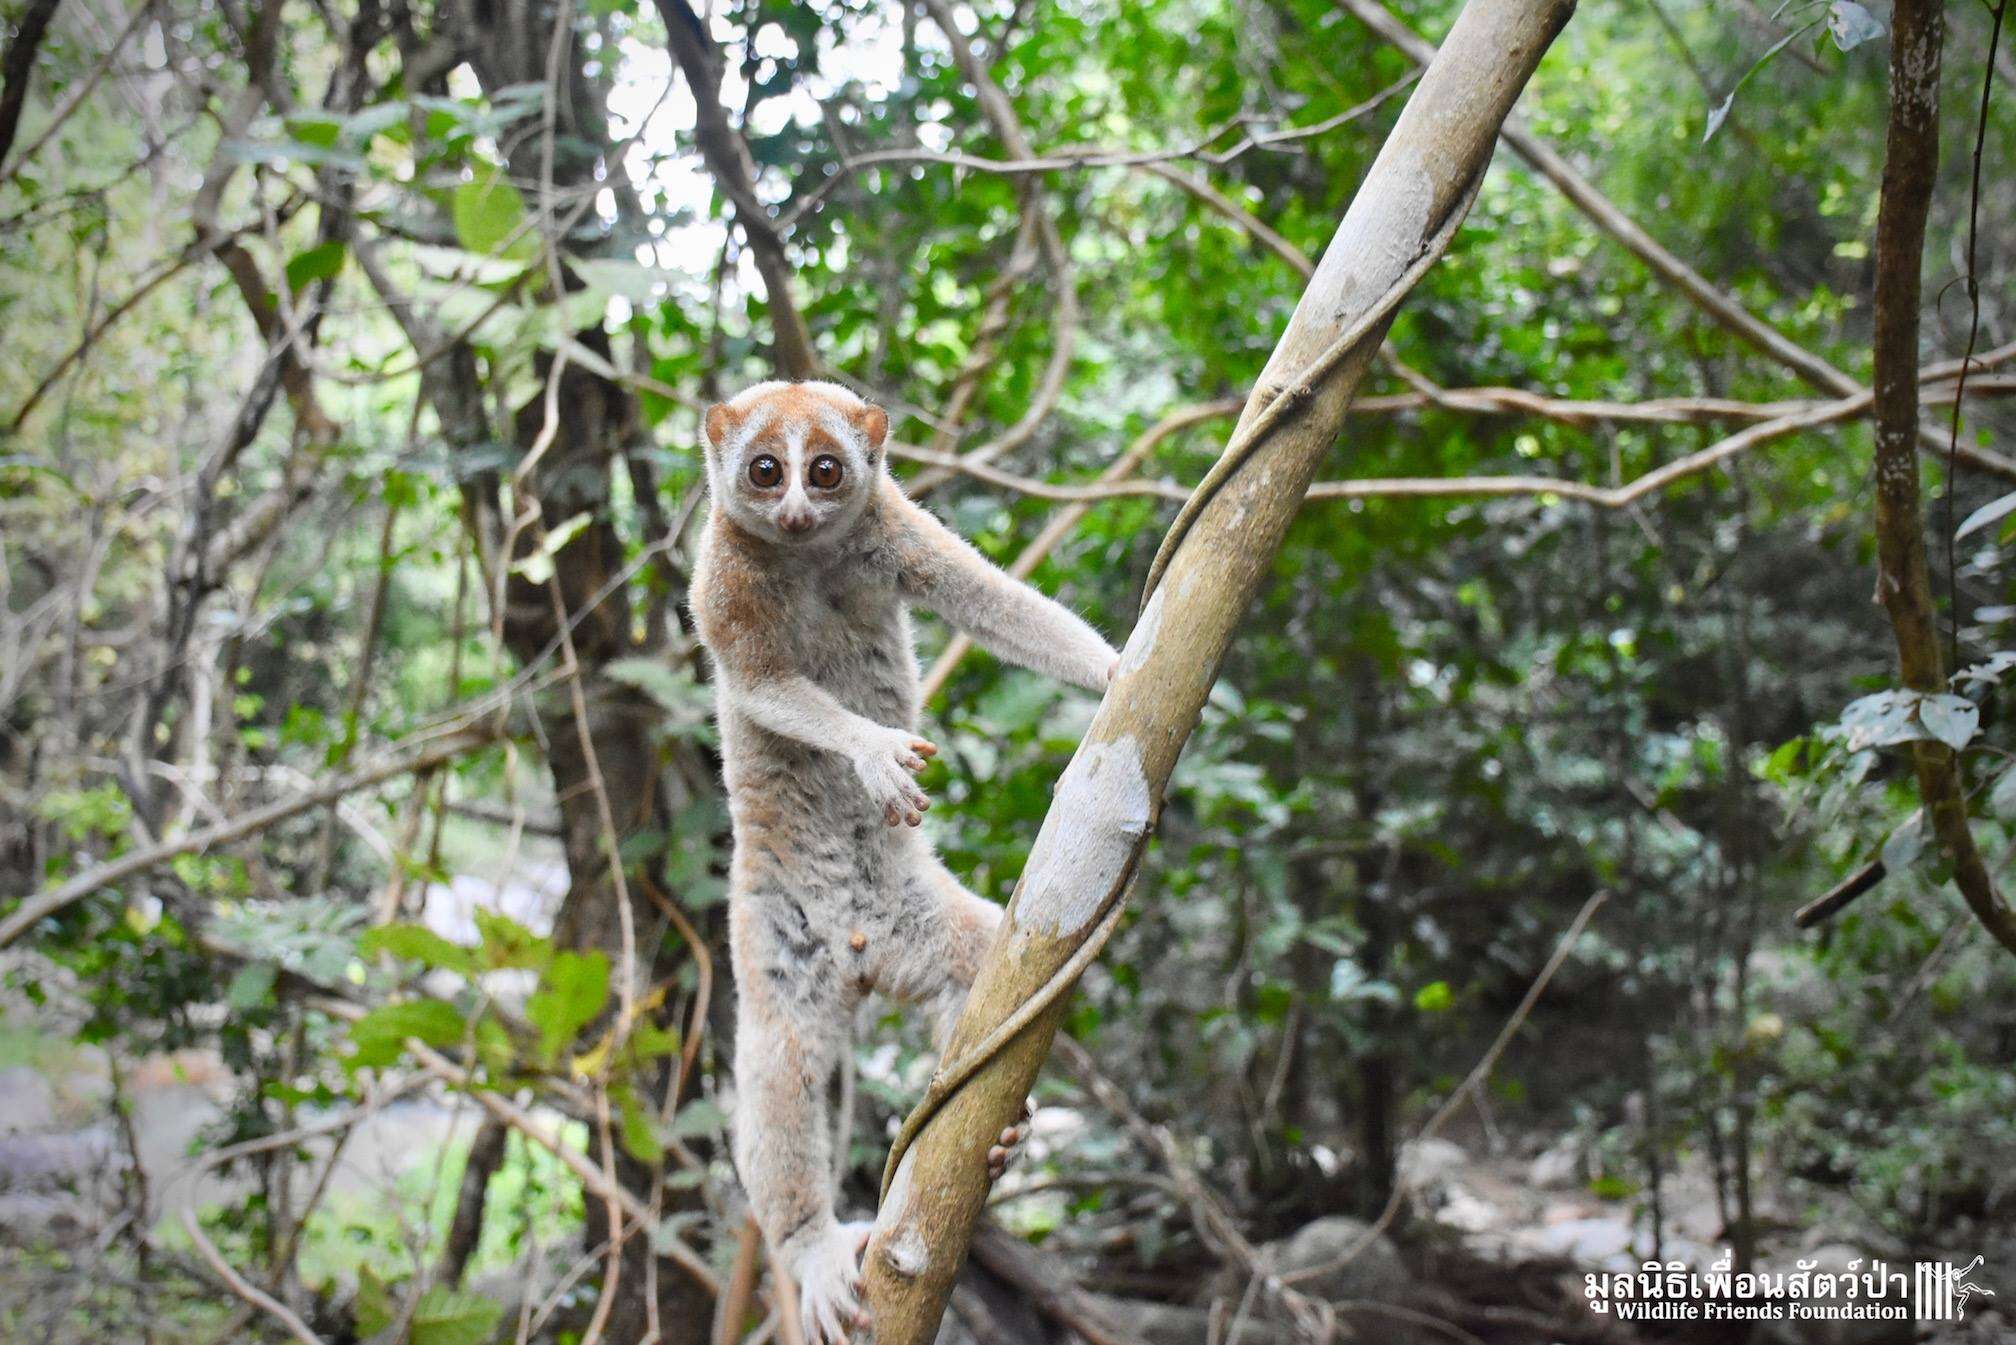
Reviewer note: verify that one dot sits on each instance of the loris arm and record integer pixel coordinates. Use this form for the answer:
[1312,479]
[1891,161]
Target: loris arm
[938,570]
[755,679]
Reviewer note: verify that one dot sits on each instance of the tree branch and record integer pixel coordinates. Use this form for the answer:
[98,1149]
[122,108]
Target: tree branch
[39,907]
[1091,842]
[728,159]
[1604,213]
[17,68]
[1903,580]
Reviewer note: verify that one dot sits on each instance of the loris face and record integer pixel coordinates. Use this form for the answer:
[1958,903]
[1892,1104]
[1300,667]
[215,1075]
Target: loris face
[794,463]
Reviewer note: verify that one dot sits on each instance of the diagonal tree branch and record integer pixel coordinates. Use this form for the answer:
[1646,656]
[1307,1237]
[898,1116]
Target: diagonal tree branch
[17,68]
[728,159]
[45,904]
[1085,856]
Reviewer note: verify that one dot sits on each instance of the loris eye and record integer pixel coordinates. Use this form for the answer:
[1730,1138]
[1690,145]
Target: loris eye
[765,471]
[825,471]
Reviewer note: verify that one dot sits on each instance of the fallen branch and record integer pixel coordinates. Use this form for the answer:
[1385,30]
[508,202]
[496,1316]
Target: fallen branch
[1072,892]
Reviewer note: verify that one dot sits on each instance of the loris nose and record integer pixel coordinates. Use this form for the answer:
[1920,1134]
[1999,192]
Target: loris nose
[795,521]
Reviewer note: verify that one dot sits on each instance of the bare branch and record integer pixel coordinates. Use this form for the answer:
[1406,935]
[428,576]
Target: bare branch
[39,907]
[1721,307]
[728,159]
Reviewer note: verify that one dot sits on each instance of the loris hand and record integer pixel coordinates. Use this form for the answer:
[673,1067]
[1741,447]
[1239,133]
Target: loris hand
[886,763]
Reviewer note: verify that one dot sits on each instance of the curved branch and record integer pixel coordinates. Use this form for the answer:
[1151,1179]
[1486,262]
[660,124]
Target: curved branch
[1786,419]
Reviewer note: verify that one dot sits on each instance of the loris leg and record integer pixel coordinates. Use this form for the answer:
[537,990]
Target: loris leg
[783,1153]
[966,924]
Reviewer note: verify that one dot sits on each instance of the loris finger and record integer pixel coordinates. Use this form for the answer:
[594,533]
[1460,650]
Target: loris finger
[923,747]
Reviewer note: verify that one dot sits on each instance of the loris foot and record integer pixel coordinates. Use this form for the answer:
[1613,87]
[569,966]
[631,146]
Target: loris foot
[829,1285]
[1006,1146]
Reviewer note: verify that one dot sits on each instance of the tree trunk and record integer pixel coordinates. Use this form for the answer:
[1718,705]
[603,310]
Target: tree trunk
[1106,802]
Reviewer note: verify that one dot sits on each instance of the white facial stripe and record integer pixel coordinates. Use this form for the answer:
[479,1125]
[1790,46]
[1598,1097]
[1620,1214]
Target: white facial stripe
[794,450]
[754,424]
[837,425]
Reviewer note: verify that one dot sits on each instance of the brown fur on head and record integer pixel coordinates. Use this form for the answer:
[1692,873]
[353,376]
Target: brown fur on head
[794,462]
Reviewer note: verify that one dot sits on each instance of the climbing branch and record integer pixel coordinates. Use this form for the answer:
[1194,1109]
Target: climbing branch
[1090,844]
[1904,582]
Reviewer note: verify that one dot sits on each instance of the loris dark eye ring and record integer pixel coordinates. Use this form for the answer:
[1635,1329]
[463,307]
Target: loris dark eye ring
[765,471]
[825,471]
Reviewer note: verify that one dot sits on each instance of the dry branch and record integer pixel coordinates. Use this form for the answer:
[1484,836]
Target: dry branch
[1785,419]
[1091,841]
[42,905]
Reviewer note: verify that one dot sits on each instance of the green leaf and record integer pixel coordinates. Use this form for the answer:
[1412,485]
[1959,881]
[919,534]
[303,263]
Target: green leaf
[698,1118]
[576,987]
[251,987]
[315,129]
[446,1316]
[380,1036]
[675,689]
[417,943]
[2002,798]
[1851,25]
[375,1308]
[508,945]
[635,1129]
[1882,720]
[487,213]
[538,566]
[1783,764]
[1434,997]
[323,262]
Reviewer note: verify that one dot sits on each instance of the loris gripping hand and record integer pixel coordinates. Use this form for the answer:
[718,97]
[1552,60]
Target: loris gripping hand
[887,763]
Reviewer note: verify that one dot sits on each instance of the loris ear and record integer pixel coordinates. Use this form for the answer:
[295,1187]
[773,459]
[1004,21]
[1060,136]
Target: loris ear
[720,422]
[873,422]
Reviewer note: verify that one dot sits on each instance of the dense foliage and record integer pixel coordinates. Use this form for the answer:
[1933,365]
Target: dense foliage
[357,353]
